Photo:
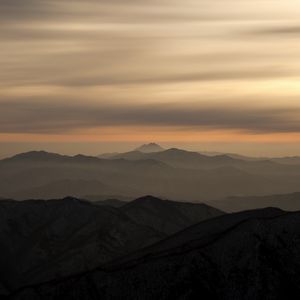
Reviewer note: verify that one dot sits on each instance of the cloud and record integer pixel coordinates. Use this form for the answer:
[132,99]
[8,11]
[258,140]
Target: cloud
[20,117]
[287,30]
[144,49]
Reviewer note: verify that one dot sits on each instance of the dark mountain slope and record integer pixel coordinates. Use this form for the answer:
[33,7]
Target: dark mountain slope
[288,202]
[204,232]
[167,216]
[42,240]
[255,258]
[111,202]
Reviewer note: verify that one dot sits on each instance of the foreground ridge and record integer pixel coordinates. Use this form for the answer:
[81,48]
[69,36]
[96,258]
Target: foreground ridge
[255,257]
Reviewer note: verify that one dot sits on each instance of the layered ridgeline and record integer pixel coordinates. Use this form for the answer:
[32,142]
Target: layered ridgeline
[288,202]
[43,240]
[245,256]
[167,216]
[173,173]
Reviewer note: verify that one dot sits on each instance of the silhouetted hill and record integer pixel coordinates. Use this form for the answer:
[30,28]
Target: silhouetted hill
[167,216]
[36,156]
[102,198]
[252,255]
[288,202]
[43,240]
[43,156]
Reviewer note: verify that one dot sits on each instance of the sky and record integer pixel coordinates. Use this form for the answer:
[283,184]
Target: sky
[96,76]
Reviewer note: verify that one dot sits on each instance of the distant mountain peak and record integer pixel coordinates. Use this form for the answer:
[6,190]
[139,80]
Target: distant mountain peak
[148,148]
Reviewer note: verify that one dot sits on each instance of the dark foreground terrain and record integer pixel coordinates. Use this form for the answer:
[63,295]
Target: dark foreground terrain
[247,255]
[45,240]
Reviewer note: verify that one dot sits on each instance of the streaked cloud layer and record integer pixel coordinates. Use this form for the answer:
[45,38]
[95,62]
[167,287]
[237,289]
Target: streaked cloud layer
[81,68]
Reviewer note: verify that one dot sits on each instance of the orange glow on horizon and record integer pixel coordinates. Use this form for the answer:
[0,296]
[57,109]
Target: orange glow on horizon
[140,134]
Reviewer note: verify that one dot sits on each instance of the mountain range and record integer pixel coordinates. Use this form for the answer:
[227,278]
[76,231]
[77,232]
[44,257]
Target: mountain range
[173,173]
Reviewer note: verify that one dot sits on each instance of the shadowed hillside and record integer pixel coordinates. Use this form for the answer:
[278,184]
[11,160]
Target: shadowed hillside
[211,259]
[167,216]
[288,202]
[42,240]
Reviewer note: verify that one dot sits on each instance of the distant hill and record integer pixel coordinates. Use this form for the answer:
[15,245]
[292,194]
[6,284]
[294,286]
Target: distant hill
[146,148]
[187,159]
[167,216]
[149,148]
[63,188]
[108,155]
[179,158]
[43,156]
[249,255]
[288,202]
[288,160]
[132,155]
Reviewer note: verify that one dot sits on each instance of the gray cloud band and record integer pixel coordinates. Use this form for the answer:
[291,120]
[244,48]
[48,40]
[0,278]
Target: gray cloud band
[47,118]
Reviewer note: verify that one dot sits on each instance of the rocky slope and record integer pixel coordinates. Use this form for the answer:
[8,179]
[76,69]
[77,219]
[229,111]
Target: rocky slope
[256,255]
[42,240]
[167,216]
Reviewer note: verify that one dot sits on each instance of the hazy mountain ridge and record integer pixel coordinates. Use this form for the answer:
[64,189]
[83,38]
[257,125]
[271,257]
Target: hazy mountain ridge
[288,202]
[209,259]
[173,173]
[179,158]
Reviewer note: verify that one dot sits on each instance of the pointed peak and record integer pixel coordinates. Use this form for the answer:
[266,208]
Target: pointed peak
[148,148]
